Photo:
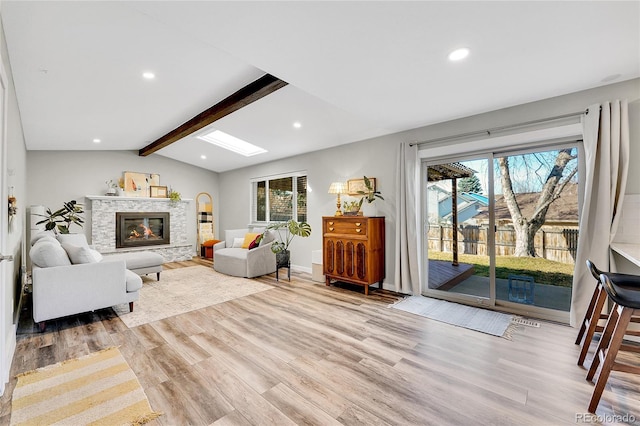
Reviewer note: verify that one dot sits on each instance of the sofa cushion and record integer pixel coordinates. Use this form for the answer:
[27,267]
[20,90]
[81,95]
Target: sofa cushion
[81,254]
[43,234]
[78,240]
[47,254]
[138,260]
[249,237]
[134,282]
[237,242]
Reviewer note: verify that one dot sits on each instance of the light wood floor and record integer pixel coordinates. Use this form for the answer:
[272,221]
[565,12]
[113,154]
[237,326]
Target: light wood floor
[304,353]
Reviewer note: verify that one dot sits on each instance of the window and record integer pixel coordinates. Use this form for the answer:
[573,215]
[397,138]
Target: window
[279,198]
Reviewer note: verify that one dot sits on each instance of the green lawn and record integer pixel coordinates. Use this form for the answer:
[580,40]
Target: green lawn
[544,271]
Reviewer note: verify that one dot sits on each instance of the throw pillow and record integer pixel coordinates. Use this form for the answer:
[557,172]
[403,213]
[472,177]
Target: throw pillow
[249,237]
[79,254]
[77,240]
[39,235]
[256,242]
[47,238]
[47,254]
[268,237]
[237,242]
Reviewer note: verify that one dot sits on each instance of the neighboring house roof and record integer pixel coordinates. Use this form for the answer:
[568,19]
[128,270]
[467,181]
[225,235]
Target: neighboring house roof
[564,209]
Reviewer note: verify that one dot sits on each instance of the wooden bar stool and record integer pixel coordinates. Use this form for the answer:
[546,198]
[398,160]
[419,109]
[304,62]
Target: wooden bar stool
[594,311]
[627,304]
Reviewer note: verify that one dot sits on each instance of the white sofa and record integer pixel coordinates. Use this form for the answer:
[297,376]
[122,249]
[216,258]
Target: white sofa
[243,262]
[70,278]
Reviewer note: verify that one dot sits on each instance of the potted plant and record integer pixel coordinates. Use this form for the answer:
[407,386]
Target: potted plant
[174,196]
[370,194]
[352,208]
[287,231]
[61,220]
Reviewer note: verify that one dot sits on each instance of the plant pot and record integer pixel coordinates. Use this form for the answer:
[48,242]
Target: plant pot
[282,258]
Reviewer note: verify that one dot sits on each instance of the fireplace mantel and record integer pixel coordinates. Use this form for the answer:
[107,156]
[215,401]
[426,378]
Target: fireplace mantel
[110,197]
[103,211]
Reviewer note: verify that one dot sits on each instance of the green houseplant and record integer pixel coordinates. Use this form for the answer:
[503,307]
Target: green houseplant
[287,231]
[370,194]
[61,220]
[174,196]
[352,208]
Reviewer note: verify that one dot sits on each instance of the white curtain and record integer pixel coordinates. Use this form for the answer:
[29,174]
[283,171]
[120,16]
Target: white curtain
[407,277]
[606,147]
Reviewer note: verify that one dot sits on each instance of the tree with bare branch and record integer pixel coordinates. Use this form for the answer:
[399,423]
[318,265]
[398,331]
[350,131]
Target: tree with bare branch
[552,186]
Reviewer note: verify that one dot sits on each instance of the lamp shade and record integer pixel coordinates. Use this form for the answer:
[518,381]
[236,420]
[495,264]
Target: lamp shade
[337,188]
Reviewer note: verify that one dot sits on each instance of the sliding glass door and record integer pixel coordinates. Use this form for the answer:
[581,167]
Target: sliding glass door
[457,219]
[501,229]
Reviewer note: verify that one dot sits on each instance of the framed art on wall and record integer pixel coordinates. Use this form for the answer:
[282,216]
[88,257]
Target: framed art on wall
[137,184]
[355,185]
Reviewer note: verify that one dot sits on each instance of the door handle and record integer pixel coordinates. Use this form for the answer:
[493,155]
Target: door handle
[7,258]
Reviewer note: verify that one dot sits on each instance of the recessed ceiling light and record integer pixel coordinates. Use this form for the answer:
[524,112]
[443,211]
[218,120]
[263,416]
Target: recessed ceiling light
[459,54]
[297,124]
[148,75]
[232,143]
[97,140]
[204,157]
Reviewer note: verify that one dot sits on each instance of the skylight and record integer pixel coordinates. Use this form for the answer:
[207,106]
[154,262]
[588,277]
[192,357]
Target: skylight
[232,143]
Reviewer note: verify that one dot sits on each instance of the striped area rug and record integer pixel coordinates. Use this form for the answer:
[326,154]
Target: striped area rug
[97,389]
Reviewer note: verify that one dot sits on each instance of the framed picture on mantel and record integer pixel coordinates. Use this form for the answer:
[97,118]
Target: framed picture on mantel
[138,184]
[158,191]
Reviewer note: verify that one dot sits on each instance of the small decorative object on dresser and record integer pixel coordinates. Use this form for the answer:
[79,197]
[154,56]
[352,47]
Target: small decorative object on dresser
[353,250]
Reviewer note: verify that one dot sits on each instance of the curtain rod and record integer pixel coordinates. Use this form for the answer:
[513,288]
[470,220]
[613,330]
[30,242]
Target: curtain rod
[498,129]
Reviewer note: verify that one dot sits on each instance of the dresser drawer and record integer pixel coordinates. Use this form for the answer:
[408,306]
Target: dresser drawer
[345,226]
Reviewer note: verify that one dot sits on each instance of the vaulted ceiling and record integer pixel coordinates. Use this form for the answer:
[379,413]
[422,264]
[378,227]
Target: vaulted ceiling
[355,70]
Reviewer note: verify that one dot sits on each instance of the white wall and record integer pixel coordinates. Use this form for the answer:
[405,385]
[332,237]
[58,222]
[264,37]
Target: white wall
[377,158]
[16,177]
[59,176]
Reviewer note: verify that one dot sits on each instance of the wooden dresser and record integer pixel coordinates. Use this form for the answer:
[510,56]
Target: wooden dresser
[353,250]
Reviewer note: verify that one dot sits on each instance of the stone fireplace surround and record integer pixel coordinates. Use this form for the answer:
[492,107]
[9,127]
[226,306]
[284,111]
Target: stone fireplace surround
[103,224]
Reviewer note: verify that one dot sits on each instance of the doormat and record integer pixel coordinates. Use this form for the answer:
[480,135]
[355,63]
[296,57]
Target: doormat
[482,320]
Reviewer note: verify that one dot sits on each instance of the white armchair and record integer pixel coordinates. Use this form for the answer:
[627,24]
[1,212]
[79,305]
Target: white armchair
[243,262]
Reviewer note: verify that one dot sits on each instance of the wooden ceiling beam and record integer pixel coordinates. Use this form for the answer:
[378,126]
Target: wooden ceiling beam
[253,91]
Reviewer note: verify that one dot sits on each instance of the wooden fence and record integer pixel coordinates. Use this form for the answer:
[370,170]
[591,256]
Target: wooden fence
[553,243]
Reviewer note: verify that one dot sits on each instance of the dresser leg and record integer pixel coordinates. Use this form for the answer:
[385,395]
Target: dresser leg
[327,280]
[366,289]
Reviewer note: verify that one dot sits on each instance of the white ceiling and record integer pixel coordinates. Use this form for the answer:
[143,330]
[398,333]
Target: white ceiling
[355,70]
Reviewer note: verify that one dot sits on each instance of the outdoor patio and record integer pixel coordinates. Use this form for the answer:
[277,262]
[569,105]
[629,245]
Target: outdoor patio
[545,296]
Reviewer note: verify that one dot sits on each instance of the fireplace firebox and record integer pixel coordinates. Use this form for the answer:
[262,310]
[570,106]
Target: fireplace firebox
[135,229]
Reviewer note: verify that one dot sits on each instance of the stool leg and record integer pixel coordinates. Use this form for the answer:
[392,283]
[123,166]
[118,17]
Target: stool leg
[605,338]
[601,298]
[589,313]
[610,355]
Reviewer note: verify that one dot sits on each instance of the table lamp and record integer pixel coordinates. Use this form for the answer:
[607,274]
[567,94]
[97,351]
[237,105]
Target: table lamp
[338,188]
